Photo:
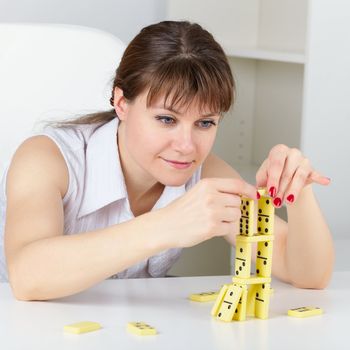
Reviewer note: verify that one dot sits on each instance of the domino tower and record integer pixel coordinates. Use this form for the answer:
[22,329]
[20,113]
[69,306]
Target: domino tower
[249,295]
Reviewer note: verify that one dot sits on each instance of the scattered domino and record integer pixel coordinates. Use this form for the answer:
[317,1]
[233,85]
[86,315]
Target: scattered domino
[82,327]
[141,328]
[305,311]
[204,296]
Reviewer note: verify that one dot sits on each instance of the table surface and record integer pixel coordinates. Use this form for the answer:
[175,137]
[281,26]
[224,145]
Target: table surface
[181,323]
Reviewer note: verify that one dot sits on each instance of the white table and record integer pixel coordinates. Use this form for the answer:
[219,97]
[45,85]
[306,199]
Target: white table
[182,324]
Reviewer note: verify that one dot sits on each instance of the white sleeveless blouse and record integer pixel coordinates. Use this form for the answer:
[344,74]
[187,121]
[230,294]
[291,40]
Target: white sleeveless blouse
[97,196]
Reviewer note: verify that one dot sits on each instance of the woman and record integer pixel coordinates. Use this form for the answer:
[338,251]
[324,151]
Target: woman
[119,193]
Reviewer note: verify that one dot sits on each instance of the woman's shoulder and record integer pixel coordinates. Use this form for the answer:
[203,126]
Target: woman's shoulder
[214,166]
[39,158]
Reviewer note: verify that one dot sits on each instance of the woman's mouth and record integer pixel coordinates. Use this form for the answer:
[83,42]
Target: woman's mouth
[178,165]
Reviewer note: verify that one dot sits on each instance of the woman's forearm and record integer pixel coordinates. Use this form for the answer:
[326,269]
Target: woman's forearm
[309,250]
[63,265]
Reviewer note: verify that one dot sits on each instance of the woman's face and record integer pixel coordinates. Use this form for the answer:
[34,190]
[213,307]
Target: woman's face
[164,144]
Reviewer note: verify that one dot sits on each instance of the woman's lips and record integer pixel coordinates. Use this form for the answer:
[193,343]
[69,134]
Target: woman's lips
[178,165]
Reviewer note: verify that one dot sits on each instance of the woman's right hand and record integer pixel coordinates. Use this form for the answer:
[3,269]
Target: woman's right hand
[211,208]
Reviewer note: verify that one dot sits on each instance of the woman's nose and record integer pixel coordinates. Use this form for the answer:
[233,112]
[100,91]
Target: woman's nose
[183,141]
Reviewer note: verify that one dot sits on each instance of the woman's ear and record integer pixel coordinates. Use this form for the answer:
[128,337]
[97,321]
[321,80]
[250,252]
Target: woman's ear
[120,103]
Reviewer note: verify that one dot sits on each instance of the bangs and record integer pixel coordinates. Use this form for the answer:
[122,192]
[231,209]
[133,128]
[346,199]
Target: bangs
[183,81]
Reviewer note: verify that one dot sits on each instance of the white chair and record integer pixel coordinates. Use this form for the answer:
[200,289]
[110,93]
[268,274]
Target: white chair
[50,71]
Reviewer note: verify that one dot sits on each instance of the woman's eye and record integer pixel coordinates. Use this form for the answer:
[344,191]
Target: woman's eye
[165,119]
[206,124]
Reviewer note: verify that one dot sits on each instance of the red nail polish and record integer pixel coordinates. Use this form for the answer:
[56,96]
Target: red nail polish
[290,198]
[272,191]
[257,195]
[277,202]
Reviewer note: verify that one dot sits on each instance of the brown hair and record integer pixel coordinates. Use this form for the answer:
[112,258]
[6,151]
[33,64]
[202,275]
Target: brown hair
[177,60]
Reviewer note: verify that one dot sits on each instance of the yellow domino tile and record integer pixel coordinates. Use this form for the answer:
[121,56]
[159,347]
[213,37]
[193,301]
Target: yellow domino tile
[251,280]
[243,259]
[251,300]
[219,299]
[204,296]
[229,303]
[241,309]
[82,327]
[263,191]
[141,328]
[266,211]
[254,238]
[262,300]
[264,259]
[246,226]
[305,311]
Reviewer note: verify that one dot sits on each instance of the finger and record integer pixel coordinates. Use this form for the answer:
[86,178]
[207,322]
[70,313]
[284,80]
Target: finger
[277,159]
[261,175]
[318,178]
[297,184]
[230,214]
[293,162]
[225,228]
[229,200]
[235,186]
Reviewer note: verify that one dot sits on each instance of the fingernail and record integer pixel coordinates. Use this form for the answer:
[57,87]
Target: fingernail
[277,202]
[272,191]
[290,198]
[328,178]
[257,195]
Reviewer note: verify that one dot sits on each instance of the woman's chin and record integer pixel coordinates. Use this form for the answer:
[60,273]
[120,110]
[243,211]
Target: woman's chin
[174,181]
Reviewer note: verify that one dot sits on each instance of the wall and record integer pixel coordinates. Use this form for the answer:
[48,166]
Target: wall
[122,18]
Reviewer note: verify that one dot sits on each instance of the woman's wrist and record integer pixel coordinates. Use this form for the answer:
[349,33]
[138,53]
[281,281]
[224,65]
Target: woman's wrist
[154,231]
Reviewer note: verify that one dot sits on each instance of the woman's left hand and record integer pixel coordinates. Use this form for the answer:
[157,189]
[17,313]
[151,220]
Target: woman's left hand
[285,172]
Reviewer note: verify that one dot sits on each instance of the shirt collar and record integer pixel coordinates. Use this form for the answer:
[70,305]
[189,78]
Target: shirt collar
[104,179]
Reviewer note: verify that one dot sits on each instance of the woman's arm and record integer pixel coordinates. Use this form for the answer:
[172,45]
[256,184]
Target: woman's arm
[309,248]
[42,262]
